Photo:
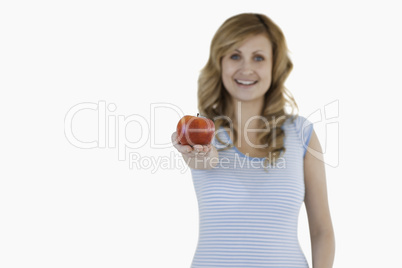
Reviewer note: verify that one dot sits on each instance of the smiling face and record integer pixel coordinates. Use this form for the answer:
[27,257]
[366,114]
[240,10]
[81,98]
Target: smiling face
[246,70]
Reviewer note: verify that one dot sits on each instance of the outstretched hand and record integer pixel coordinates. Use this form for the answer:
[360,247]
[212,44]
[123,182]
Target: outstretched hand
[191,151]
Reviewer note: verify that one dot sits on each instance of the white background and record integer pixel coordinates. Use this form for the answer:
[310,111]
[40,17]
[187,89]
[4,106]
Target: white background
[64,206]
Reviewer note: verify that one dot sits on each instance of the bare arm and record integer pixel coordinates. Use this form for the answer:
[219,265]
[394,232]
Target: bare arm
[197,156]
[316,201]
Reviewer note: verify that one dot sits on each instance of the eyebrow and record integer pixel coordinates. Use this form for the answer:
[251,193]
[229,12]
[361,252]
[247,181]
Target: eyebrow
[257,51]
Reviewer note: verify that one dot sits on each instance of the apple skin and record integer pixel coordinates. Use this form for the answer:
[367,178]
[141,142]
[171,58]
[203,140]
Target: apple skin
[192,130]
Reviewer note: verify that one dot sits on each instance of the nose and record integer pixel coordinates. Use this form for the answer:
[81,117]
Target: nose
[246,68]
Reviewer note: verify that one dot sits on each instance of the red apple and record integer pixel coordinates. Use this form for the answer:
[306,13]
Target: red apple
[192,130]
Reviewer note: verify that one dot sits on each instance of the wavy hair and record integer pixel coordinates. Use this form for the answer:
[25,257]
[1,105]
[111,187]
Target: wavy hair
[213,99]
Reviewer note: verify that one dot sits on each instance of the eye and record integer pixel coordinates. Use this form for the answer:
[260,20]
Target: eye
[235,57]
[258,58]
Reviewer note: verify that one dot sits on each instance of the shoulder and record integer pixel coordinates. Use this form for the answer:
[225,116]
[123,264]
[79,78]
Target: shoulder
[300,129]
[299,123]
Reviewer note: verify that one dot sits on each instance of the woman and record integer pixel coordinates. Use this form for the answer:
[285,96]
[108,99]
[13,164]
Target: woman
[251,181]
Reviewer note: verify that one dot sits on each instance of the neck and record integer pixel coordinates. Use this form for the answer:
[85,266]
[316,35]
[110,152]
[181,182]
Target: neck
[246,114]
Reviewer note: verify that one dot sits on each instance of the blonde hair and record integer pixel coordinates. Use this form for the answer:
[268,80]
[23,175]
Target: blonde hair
[213,99]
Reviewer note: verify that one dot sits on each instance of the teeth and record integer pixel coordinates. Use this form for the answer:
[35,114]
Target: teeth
[245,82]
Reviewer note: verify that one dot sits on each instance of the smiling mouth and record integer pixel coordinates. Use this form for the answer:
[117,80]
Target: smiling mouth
[245,82]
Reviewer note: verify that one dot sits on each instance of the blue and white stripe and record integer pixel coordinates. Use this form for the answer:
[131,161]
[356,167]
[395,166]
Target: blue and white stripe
[248,217]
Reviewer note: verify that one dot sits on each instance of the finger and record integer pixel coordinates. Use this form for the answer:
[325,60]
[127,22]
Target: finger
[207,148]
[174,138]
[198,148]
[181,148]
[184,149]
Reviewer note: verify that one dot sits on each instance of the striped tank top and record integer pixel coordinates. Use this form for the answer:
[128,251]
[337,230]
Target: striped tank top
[248,217]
